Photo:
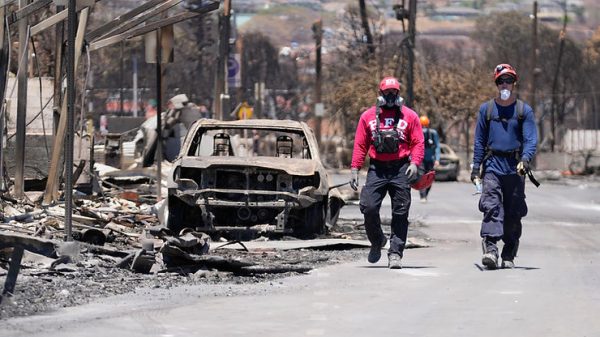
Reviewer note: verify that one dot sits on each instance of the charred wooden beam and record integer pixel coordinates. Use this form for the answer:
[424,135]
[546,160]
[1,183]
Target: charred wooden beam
[56,18]
[49,22]
[149,27]
[120,20]
[27,10]
[140,19]
[105,250]
[35,245]
[19,186]
[110,39]
[6,3]
[274,269]
[13,272]
[51,191]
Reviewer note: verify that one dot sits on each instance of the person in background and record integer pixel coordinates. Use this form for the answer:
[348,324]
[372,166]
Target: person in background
[505,143]
[432,152]
[390,134]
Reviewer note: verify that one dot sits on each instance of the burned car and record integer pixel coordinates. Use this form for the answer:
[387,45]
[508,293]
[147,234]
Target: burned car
[239,174]
[449,167]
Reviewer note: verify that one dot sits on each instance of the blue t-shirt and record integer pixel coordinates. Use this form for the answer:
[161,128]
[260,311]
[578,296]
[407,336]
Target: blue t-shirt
[502,133]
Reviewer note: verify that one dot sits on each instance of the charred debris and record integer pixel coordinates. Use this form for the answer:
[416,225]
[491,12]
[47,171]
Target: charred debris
[109,215]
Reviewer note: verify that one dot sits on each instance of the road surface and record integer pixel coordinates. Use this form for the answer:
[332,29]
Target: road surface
[441,291]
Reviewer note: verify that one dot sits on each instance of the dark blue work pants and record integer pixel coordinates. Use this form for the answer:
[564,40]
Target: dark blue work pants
[382,179]
[503,205]
[427,166]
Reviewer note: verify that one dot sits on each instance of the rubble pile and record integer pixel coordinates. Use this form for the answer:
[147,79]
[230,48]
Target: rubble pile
[119,247]
[111,227]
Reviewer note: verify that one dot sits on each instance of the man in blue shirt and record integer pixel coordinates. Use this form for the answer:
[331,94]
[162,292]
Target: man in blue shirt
[432,152]
[505,143]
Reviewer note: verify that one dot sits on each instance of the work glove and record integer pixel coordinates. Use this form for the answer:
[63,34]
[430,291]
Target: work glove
[354,179]
[522,167]
[475,174]
[411,171]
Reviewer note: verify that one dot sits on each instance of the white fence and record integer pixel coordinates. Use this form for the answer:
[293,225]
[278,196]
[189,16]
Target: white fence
[582,140]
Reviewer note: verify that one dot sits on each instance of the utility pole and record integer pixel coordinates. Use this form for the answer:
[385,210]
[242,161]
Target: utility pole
[221,70]
[317,29]
[562,37]
[412,27]
[367,30]
[23,57]
[410,15]
[536,71]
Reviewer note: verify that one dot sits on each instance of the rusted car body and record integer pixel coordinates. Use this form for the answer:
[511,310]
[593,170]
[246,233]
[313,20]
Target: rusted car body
[239,174]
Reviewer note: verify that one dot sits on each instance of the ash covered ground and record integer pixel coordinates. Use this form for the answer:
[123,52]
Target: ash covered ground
[41,289]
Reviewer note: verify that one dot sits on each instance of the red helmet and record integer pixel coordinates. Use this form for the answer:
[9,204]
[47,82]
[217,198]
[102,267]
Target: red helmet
[389,83]
[505,69]
[425,181]
[424,121]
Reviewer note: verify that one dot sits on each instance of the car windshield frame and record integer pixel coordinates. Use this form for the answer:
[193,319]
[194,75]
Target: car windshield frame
[250,141]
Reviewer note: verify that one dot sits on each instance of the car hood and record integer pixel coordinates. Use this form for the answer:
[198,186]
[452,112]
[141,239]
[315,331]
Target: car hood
[301,167]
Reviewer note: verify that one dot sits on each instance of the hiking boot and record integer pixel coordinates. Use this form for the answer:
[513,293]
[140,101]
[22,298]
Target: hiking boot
[507,264]
[490,261]
[490,254]
[394,261]
[375,252]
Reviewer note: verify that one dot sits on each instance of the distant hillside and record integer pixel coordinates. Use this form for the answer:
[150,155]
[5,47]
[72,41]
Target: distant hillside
[284,24]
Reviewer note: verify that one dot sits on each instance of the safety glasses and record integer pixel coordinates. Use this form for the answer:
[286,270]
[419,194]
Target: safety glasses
[507,80]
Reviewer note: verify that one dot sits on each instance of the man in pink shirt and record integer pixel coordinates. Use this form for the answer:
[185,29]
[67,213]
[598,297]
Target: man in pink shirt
[390,133]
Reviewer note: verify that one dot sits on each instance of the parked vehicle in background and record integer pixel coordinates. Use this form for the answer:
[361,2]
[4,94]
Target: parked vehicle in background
[238,174]
[449,167]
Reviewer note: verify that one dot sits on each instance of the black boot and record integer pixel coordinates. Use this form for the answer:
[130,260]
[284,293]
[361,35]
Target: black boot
[509,252]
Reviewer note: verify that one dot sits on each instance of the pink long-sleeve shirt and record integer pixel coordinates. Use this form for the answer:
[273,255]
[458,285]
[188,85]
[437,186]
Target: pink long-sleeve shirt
[409,129]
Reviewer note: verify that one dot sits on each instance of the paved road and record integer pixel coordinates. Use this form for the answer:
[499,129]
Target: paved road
[442,291]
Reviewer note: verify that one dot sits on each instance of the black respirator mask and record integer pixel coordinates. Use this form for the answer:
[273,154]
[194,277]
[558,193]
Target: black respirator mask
[390,100]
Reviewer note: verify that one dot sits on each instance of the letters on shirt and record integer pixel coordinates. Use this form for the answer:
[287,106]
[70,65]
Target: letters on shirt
[388,123]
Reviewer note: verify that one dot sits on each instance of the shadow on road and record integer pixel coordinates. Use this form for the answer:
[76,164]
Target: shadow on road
[403,267]
[481,268]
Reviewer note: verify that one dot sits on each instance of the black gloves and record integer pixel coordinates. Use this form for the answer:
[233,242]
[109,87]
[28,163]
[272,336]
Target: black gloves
[523,167]
[475,174]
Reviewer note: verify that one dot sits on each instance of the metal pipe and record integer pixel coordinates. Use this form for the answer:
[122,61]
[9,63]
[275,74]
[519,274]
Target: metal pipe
[158,113]
[4,69]
[135,86]
[71,30]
